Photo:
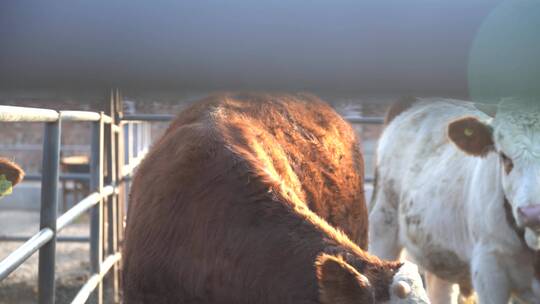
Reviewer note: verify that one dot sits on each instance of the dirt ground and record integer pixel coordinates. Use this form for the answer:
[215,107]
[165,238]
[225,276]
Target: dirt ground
[72,260]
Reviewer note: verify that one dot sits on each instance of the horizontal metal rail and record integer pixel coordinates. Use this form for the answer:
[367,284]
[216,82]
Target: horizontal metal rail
[81,207]
[21,254]
[147,117]
[39,147]
[130,168]
[87,289]
[12,113]
[79,116]
[64,176]
[28,114]
[83,116]
[59,238]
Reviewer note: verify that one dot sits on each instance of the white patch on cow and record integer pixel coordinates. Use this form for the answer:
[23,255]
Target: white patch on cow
[531,237]
[446,208]
[408,276]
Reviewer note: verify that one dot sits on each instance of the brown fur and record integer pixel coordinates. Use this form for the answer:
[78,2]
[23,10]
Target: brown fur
[11,170]
[537,265]
[478,143]
[229,205]
[399,107]
[340,283]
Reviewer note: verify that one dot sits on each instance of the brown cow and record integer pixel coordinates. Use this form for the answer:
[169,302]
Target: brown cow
[224,210]
[10,175]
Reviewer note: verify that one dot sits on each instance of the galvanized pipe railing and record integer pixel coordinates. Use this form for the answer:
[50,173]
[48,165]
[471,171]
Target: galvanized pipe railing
[24,114]
[50,224]
[21,254]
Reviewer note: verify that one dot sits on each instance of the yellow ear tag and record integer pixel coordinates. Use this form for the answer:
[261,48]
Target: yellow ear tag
[468,132]
[5,186]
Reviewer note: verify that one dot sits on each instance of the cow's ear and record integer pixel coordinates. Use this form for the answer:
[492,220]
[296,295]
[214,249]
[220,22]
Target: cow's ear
[340,283]
[10,175]
[471,136]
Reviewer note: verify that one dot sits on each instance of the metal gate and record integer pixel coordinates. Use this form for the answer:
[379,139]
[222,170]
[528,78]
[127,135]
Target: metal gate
[118,144]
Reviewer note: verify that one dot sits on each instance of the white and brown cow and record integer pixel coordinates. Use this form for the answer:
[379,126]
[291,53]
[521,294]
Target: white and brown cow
[460,191]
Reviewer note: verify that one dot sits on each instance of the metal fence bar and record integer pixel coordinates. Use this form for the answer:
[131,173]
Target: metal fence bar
[84,116]
[148,136]
[140,129]
[49,207]
[111,207]
[96,220]
[76,211]
[39,147]
[25,114]
[95,280]
[120,165]
[79,116]
[147,117]
[64,176]
[14,238]
[135,136]
[21,254]
[82,206]
[129,143]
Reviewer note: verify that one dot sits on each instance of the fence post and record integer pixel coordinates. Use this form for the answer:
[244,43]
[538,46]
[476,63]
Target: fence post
[112,200]
[96,217]
[49,209]
[120,164]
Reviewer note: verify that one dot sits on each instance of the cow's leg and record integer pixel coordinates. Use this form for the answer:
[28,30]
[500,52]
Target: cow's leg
[384,226]
[489,277]
[439,291]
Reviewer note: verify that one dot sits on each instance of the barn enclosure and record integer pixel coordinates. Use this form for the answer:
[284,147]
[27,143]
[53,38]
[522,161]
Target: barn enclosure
[119,140]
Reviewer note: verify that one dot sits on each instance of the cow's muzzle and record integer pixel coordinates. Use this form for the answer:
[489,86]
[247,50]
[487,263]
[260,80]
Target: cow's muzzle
[530,216]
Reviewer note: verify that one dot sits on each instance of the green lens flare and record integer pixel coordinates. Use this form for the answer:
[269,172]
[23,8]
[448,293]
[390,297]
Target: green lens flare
[504,60]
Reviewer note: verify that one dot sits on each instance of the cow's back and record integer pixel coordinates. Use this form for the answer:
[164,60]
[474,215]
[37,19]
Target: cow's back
[309,147]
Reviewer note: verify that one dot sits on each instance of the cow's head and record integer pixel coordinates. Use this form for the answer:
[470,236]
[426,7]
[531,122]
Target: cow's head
[10,175]
[341,283]
[513,134]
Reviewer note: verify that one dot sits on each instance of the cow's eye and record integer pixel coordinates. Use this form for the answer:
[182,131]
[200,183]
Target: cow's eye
[507,163]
